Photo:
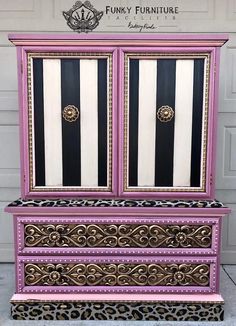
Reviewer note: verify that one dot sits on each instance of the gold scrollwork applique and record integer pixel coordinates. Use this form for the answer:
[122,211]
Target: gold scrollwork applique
[126,235]
[117,274]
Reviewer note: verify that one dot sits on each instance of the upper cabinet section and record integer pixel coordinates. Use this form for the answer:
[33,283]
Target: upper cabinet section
[118,115]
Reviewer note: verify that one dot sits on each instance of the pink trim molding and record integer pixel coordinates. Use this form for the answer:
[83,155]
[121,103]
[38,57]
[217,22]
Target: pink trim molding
[124,297]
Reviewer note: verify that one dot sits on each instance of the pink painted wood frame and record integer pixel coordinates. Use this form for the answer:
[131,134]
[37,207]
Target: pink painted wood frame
[24,130]
[211,288]
[211,128]
[22,221]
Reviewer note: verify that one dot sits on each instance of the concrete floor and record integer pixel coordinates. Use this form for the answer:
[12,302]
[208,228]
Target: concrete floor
[228,291]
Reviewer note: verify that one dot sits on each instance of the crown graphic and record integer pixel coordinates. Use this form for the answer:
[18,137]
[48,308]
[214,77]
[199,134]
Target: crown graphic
[82,17]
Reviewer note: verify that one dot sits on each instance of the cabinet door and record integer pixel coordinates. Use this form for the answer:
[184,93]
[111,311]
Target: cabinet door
[165,112]
[70,123]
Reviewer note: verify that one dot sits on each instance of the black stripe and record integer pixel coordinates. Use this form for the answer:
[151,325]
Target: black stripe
[133,121]
[70,95]
[39,122]
[166,72]
[198,81]
[102,122]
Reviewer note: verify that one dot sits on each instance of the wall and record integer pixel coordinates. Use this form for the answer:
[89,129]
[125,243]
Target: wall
[45,16]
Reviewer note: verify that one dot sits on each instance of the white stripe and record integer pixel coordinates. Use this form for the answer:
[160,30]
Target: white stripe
[52,121]
[183,122]
[89,122]
[147,122]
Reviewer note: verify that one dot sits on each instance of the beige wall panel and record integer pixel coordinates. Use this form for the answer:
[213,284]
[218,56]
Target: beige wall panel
[231,9]
[9,147]
[226,154]
[8,80]
[6,227]
[227,99]
[201,9]
[9,159]
[229,239]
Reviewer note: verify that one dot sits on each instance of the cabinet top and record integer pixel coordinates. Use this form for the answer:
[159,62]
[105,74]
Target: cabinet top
[120,39]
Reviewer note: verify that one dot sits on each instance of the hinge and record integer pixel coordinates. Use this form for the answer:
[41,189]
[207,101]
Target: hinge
[24,178]
[211,179]
[21,67]
[215,68]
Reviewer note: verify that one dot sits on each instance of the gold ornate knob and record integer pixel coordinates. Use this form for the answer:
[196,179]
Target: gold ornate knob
[165,113]
[70,113]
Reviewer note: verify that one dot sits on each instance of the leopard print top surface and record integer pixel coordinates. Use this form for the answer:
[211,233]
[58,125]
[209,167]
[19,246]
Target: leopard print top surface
[116,203]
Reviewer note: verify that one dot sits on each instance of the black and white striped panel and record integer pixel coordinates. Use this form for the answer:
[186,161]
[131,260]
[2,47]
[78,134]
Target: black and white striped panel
[165,154]
[73,154]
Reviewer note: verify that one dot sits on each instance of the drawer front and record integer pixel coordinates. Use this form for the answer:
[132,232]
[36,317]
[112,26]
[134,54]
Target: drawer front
[120,275]
[139,235]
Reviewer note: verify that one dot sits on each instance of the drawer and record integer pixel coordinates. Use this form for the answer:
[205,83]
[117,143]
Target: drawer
[120,274]
[137,235]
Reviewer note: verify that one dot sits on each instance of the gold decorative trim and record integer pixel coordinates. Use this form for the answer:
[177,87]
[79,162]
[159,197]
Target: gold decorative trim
[70,113]
[152,55]
[123,236]
[117,274]
[92,55]
[165,113]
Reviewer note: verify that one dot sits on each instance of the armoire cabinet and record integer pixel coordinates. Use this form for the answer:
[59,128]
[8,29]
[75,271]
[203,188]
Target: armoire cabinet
[117,217]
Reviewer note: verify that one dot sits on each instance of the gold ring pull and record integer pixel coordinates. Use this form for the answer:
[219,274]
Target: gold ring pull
[165,113]
[70,113]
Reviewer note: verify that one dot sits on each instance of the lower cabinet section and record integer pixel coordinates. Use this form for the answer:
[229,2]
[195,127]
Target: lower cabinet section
[117,260]
[117,275]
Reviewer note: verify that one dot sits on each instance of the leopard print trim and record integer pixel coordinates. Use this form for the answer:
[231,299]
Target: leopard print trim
[115,203]
[117,311]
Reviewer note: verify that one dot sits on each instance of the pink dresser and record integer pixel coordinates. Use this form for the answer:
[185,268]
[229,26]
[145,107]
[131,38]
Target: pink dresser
[117,219]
